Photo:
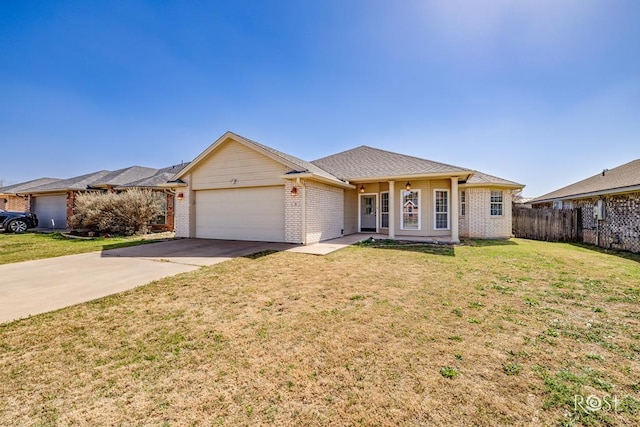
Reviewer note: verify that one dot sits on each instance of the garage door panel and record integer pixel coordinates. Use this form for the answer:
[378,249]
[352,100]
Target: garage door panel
[49,208]
[241,214]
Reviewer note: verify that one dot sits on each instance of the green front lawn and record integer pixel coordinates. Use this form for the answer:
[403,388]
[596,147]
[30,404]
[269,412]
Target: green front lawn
[30,246]
[484,334]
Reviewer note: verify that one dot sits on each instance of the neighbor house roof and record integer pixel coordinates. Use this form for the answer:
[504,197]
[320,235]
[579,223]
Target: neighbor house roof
[618,180]
[365,162]
[76,183]
[123,176]
[162,176]
[134,176]
[25,186]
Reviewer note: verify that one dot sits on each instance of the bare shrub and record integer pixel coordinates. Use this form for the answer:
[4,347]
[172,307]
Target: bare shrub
[130,212]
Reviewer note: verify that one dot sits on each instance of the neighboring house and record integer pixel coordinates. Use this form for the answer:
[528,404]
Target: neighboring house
[523,202]
[53,200]
[240,189]
[610,203]
[15,196]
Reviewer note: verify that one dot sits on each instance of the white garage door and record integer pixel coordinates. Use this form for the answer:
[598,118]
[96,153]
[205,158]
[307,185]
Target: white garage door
[241,214]
[49,208]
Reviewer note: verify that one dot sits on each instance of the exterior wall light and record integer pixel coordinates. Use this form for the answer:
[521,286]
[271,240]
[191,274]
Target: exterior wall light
[408,186]
[180,196]
[294,191]
[362,188]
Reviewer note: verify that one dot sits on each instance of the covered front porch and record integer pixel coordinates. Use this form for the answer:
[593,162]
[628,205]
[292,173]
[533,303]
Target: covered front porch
[411,208]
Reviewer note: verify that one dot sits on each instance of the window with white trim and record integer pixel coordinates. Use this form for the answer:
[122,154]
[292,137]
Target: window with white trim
[384,209]
[463,203]
[441,207]
[410,214]
[496,203]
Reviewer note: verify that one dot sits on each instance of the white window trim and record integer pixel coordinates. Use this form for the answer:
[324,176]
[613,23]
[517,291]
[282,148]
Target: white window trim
[419,210]
[388,209]
[435,219]
[491,203]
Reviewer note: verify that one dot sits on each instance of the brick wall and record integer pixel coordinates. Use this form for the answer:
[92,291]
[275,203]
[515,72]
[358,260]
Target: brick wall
[621,227]
[479,222]
[18,203]
[182,211]
[71,207]
[292,213]
[324,212]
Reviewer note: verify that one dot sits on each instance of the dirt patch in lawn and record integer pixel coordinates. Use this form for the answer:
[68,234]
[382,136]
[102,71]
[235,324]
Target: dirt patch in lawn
[473,335]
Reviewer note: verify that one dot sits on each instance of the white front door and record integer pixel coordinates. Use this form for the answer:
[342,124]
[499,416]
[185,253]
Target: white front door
[368,213]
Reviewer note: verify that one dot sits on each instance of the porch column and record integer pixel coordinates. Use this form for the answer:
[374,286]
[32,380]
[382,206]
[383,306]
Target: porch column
[455,238]
[392,210]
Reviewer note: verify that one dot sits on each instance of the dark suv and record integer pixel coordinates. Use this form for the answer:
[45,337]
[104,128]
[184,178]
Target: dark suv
[17,222]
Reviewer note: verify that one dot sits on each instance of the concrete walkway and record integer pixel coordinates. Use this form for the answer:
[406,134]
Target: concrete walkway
[328,246]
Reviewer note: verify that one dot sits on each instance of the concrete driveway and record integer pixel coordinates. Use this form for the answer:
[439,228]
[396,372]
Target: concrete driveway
[34,287]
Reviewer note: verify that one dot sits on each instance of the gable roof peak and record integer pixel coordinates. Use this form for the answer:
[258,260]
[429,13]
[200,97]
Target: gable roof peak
[296,164]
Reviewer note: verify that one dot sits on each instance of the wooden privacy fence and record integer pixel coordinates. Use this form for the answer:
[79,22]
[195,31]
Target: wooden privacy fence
[553,225]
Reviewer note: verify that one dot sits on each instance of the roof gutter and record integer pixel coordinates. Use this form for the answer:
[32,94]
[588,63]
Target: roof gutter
[314,177]
[173,184]
[493,184]
[54,192]
[460,174]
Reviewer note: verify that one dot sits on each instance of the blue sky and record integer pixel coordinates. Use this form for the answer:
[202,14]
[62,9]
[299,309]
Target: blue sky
[542,92]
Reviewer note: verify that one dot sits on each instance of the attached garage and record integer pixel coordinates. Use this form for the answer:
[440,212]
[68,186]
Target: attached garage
[49,208]
[241,214]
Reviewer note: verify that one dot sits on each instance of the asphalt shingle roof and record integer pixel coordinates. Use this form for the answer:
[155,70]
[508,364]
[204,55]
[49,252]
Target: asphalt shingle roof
[76,183]
[627,175]
[162,176]
[24,186]
[485,178]
[134,176]
[124,176]
[367,162]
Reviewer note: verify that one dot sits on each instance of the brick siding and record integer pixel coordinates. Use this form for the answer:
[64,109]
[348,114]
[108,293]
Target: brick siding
[478,222]
[293,213]
[182,211]
[324,212]
[18,203]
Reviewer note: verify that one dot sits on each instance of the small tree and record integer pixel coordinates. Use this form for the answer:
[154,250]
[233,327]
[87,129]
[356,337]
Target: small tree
[129,212]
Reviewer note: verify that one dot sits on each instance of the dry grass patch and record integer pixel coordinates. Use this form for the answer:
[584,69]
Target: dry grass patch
[483,334]
[30,246]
